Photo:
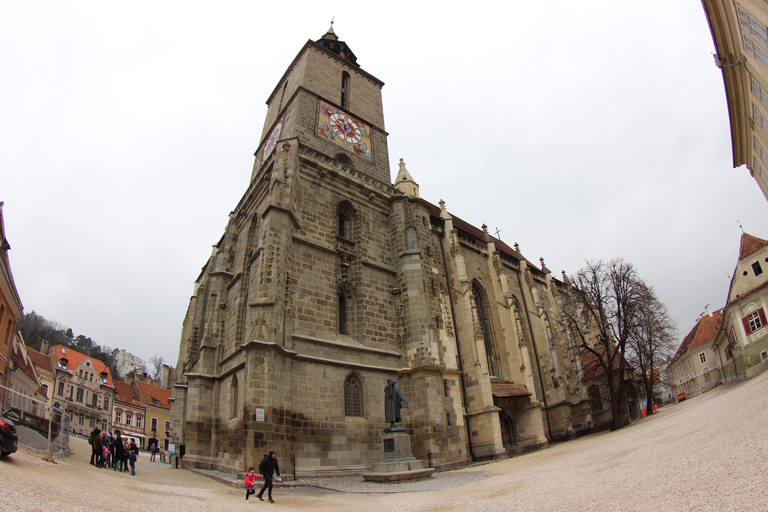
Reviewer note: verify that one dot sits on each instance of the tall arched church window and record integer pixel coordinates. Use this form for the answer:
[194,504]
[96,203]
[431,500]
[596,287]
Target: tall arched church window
[343,314]
[345,217]
[233,398]
[344,89]
[483,316]
[353,396]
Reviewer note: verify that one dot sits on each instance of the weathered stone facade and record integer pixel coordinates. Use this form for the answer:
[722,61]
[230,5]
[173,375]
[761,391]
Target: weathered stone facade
[329,280]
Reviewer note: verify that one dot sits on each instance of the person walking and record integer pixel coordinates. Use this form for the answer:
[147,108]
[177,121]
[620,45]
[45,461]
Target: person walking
[249,483]
[153,451]
[267,467]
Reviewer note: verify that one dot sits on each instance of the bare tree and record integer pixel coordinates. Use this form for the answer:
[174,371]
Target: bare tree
[157,364]
[599,314]
[650,344]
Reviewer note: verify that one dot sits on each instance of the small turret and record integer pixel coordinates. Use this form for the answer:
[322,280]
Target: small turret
[405,183]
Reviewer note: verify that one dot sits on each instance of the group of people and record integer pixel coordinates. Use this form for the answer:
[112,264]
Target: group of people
[116,452]
[267,468]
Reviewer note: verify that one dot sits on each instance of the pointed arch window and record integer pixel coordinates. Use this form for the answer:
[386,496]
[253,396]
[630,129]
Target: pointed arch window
[344,89]
[345,221]
[353,396]
[483,316]
[233,398]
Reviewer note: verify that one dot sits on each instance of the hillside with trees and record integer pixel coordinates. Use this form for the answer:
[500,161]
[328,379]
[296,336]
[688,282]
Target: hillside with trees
[36,328]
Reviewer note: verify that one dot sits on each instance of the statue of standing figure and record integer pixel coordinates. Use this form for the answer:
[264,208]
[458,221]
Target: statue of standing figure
[393,402]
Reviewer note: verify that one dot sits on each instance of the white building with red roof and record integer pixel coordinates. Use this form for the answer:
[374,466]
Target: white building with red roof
[742,343]
[84,387]
[695,367]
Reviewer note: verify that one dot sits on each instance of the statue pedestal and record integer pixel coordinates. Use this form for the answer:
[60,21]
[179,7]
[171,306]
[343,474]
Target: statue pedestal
[398,463]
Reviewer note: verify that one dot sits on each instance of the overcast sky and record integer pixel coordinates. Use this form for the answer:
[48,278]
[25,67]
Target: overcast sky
[581,130]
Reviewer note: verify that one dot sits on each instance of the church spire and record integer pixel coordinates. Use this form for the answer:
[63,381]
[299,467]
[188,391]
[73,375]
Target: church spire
[330,41]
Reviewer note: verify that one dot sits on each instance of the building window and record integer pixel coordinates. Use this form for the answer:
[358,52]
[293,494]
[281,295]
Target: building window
[344,224]
[128,418]
[753,32]
[118,417]
[483,317]
[353,396]
[95,400]
[93,422]
[233,396]
[80,393]
[81,419]
[756,268]
[754,321]
[104,425]
[703,357]
[61,389]
[106,403]
[154,425]
[344,89]
[707,377]
[343,329]
[595,399]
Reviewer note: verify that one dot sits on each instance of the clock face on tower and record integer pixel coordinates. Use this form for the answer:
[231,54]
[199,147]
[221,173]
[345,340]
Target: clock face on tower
[343,130]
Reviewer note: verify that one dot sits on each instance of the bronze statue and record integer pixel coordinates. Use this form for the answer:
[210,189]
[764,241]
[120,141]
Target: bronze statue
[393,402]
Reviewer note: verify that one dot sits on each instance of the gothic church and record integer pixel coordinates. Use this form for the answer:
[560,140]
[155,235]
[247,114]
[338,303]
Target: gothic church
[329,279]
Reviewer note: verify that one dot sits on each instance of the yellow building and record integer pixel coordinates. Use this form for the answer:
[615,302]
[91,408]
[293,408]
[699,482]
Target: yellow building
[740,33]
[158,412]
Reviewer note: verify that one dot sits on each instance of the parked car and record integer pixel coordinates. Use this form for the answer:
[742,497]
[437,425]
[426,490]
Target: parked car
[9,441]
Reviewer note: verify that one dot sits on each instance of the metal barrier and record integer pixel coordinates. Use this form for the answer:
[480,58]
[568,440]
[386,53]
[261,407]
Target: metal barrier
[39,425]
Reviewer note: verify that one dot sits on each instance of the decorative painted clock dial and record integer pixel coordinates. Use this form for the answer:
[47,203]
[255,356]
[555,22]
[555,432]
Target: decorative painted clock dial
[345,128]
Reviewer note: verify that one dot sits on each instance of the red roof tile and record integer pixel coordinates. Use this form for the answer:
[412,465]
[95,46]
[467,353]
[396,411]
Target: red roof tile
[126,394]
[74,358]
[151,393]
[704,332]
[750,245]
[41,361]
[507,389]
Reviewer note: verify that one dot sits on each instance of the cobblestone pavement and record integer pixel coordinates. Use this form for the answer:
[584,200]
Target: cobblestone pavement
[705,454]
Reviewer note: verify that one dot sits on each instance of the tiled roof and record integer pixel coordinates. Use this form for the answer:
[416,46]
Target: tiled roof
[41,361]
[750,245]
[507,389]
[74,358]
[22,359]
[479,234]
[126,394]
[704,332]
[151,393]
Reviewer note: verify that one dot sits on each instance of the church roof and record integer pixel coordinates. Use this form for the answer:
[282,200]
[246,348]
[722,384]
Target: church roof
[750,245]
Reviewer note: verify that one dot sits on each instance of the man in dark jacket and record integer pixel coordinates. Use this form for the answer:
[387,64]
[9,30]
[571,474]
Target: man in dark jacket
[95,442]
[267,467]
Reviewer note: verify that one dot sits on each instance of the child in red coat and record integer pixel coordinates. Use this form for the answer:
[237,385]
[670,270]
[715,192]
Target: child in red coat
[249,483]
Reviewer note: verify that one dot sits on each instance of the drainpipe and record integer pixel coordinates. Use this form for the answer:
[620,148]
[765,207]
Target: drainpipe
[536,356]
[470,449]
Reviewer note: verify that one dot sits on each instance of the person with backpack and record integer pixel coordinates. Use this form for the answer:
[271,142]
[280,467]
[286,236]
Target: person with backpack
[95,441]
[267,467]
